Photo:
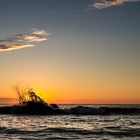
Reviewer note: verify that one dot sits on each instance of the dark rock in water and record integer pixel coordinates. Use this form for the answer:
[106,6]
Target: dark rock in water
[82,110]
[36,108]
[56,109]
[5,110]
[119,110]
[33,108]
[39,108]
[55,106]
[18,109]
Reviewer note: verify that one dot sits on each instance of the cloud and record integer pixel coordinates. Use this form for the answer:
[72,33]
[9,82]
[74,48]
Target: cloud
[34,36]
[39,32]
[19,41]
[4,47]
[100,4]
[28,38]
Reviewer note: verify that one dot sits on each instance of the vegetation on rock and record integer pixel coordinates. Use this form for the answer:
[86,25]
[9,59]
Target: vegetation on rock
[27,95]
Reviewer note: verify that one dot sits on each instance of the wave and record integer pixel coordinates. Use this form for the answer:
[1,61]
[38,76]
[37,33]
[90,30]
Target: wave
[108,131]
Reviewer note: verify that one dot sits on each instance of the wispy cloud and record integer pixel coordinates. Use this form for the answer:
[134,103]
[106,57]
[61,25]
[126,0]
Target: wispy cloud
[100,4]
[14,47]
[34,36]
[19,41]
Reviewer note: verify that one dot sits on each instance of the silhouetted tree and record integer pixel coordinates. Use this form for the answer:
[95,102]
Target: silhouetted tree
[26,94]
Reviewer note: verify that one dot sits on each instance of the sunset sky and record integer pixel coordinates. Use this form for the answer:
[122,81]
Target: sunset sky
[71,51]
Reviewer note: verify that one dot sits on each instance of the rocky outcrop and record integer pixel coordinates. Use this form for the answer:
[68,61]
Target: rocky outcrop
[35,108]
[81,110]
[39,108]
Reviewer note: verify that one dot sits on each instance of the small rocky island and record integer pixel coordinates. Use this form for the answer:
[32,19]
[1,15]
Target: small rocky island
[31,104]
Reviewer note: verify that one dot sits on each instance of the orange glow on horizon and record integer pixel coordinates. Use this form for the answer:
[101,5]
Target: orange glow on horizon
[69,93]
[76,98]
[65,101]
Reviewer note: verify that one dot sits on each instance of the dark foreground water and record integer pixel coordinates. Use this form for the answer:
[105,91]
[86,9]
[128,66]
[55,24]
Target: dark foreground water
[115,127]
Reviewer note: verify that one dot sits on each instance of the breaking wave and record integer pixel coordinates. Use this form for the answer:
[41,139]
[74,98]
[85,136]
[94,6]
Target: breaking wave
[113,131]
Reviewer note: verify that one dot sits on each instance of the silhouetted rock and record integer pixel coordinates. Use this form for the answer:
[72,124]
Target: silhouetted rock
[5,110]
[82,110]
[55,106]
[33,108]
[39,108]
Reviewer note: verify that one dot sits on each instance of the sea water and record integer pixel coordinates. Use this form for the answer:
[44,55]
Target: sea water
[69,127]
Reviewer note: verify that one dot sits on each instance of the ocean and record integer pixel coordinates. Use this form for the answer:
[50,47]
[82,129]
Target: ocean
[71,127]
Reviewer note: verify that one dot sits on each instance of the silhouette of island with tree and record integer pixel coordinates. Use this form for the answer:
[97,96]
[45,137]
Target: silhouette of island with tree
[31,104]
